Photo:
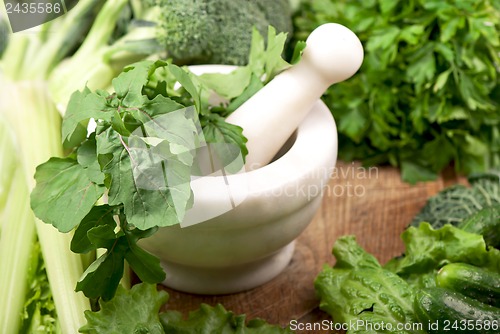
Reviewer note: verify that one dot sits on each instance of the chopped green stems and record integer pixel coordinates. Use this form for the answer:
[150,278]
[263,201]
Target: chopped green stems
[32,115]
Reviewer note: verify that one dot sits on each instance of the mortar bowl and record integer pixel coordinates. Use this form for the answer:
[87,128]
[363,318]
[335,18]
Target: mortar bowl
[251,243]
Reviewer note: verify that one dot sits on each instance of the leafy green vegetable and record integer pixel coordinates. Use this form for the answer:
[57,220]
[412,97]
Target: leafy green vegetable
[138,311]
[61,183]
[427,93]
[131,311]
[357,288]
[457,203]
[39,312]
[216,319]
[428,249]
[135,139]
[485,222]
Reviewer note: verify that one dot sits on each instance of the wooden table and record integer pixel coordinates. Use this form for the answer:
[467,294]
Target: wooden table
[371,203]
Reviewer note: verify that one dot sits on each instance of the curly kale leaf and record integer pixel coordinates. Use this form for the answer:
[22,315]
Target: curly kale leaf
[456,203]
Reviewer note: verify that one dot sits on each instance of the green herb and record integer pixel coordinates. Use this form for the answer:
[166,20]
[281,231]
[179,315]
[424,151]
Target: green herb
[136,138]
[427,93]
[138,311]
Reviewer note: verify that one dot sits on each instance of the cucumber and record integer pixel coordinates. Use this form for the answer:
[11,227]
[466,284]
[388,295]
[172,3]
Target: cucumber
[485,222]
[471,281]
[445,311]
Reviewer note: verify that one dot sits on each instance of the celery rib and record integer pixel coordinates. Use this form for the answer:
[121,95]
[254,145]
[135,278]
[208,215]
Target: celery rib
[32,115]
[17,234]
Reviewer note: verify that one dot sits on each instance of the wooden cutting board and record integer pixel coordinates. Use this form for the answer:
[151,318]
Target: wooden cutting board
[371,203]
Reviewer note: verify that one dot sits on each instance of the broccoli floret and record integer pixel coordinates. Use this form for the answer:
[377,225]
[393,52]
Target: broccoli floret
[218,31]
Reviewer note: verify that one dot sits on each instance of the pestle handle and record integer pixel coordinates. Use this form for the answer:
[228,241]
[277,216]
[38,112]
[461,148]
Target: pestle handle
[333,53]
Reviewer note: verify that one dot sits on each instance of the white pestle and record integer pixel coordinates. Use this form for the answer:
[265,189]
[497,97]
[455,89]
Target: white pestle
[333,54]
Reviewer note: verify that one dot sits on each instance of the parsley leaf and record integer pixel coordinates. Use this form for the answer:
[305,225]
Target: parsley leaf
[430,75]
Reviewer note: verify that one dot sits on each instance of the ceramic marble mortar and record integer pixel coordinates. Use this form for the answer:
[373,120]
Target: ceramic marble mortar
[250,243]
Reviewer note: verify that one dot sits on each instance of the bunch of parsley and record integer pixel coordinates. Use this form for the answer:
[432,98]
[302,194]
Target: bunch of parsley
[427,93]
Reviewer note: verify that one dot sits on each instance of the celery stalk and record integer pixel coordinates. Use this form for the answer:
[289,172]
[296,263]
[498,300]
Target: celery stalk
[88,64]
[8,164]
[16,241]
[64,36]
[28,64]
[32,55]
[36,123]
[17,233]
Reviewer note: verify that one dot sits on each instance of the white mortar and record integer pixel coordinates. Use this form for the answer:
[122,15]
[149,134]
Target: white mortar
[252,243]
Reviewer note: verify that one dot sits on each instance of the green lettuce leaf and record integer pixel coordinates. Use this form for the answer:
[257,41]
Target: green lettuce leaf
[129,312]
[358,290]
[428,249]
[208,319]
[138,311]
[39,313]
